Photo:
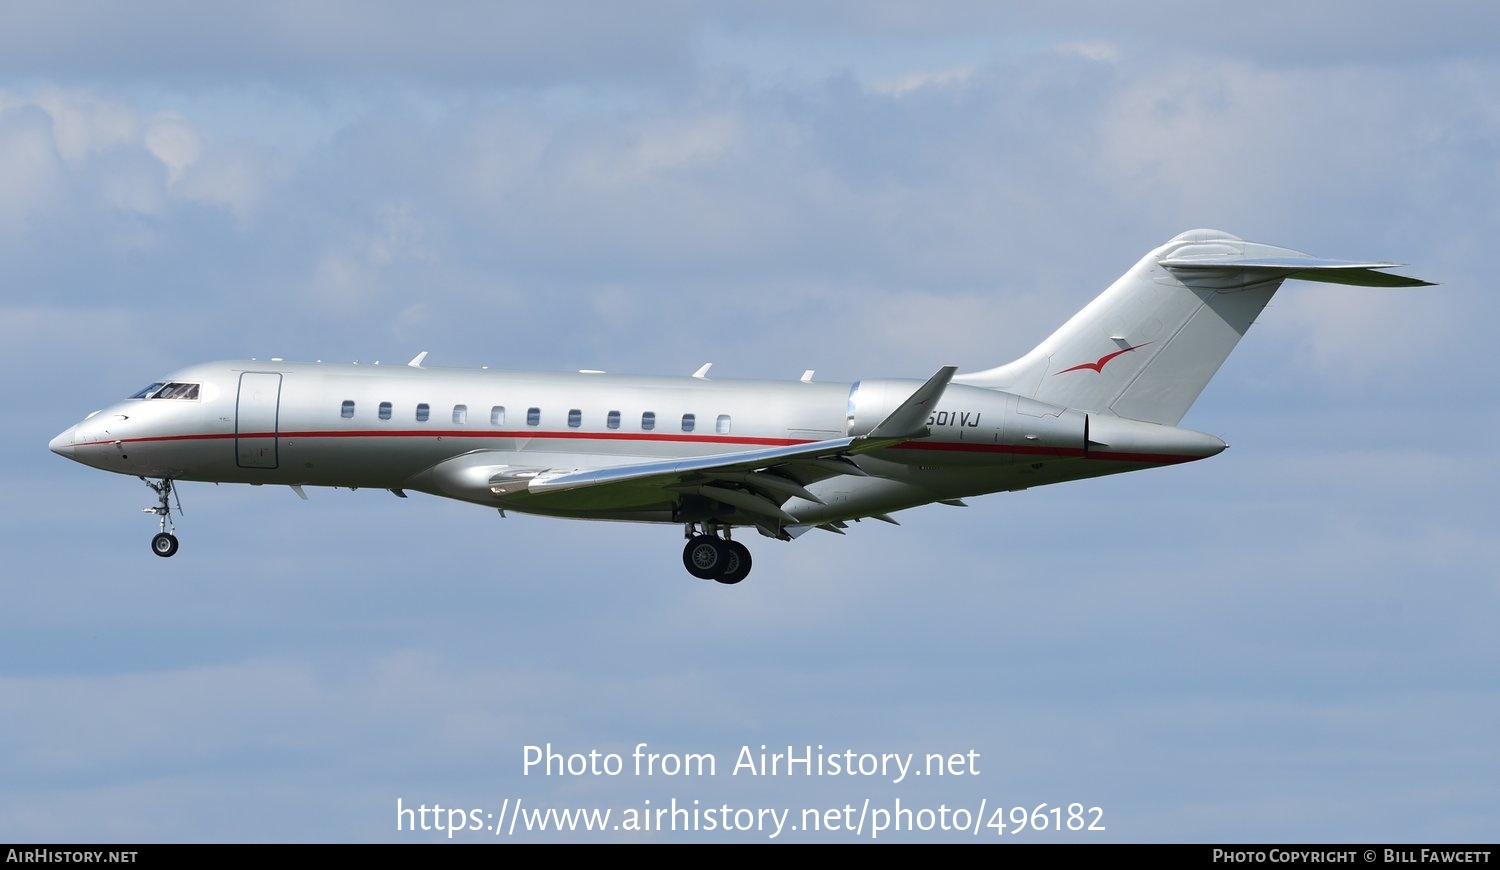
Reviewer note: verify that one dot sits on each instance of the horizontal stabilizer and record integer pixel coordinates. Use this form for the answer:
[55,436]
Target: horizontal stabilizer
[1353,272]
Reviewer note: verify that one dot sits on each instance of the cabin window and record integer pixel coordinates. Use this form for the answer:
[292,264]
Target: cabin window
[721,425]
[688,422]
[533,416]
[385,410]
[347,409]
[497,415]
[613,420]
[460,414]
[648,420]
[422,412]
[575,418]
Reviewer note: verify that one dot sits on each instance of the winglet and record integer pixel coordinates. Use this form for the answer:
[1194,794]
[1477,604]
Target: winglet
[416,361]
[702,372]
[910,420]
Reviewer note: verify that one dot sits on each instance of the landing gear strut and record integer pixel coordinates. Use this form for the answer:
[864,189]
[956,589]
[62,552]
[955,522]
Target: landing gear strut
[710,557]
[164,543]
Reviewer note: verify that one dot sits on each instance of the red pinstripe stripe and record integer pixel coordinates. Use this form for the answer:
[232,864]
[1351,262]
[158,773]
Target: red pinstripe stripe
[466,433]
[941,446]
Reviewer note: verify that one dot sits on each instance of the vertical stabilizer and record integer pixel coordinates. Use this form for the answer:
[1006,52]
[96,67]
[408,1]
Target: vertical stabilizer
[1147,346]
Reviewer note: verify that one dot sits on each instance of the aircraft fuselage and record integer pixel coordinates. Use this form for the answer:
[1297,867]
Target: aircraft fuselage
[395,427]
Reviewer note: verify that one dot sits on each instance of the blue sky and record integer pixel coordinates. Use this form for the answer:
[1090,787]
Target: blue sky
[1293,641]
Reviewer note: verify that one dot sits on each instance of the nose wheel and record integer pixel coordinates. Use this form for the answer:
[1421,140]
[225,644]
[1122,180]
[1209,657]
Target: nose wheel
[709,557]
[163,543]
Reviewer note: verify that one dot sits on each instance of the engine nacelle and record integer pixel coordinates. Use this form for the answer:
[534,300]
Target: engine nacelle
[983,420]
[871,401]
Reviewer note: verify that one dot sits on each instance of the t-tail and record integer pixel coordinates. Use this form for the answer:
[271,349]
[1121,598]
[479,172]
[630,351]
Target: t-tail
[1147,346]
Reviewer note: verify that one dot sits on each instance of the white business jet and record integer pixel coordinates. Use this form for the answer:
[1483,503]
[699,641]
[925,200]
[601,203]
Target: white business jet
[1101,395]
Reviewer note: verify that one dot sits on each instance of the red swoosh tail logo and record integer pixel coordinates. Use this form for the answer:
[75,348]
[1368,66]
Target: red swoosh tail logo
[1097,366]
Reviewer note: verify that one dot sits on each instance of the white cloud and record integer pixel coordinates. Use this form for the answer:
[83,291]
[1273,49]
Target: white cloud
[1355,338]
[1099,51]
[175,143]
[371,261]
[632,155]
[908,83]
[85,124]
[32,176]
[690,142]
[76,161]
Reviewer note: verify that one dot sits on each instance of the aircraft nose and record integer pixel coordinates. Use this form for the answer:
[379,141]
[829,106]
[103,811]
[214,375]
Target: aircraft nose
[62,445]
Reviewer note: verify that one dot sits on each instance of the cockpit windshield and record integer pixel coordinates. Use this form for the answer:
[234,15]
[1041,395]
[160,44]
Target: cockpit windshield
[174,390]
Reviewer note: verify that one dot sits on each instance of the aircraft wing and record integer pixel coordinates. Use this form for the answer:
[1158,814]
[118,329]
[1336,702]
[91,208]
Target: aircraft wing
[749,479]
[666,471]
[757,482]
[903,424]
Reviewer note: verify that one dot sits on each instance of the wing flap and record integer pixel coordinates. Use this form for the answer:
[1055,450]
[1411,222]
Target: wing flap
[748,502]
[668,471]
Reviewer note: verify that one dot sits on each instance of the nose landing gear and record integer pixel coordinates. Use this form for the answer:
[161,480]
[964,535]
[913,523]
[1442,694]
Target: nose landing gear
[710,557]
[164,543]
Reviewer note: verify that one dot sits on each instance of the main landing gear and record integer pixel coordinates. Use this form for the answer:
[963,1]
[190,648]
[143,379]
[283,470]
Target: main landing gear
[710,557]
[164,543]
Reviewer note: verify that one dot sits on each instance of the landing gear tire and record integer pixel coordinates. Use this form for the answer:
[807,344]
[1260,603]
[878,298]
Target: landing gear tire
[705,557]
[164,544]
[737,565]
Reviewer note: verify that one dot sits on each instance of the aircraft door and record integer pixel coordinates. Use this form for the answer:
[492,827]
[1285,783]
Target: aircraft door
[255,420]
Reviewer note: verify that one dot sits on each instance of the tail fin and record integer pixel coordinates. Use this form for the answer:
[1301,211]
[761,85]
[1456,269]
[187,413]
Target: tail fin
[1147,346]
